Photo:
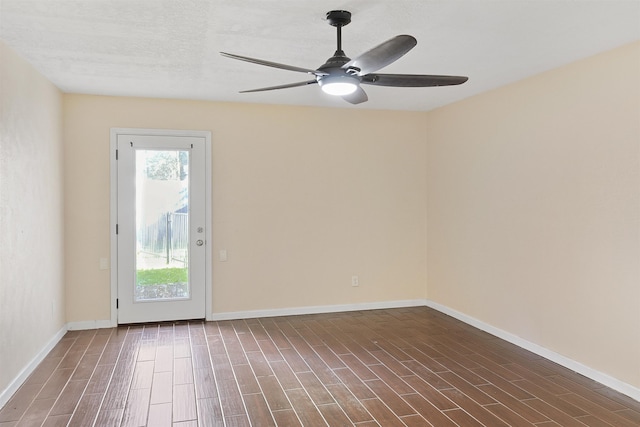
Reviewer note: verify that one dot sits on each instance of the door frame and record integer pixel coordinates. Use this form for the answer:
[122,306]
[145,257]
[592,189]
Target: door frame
[113,210]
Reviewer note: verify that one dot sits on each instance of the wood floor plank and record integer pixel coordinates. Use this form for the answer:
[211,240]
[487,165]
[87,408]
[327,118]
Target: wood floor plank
[246,379]
[73,357]
[315,389]
[279,339]
[184,402]
[595,409]
[391,363]
[210,413]
[462,418]
[630,415]
[37,412]
[354,384]
[235,351]
[136,409]
[143,375]
[231,398]
[237,421]
[147,350]
[164,358]
[259,364]
[396,383]
[201,357]
[295,361]
[508,415]
[205,383]
[85,367]
[100,379]
[349,403]
[287,378]
[472,407]
[117,390]
[273,393]
[522,409]
[56,421]
[56,383]
[247,340]
[430,393]
[305,409]
[397,367]
[334,415]
[357,367]
[553,413]
[108,417]
[428,375]
[550,398]
[162,388]
[391,399]
[328,357]
[258,411]
[160,415]
[592,396]
[430,412]
[593,421]
[181,347]
[69,398]
[507,386]
[86,410]
[382,414]
[19,402]
[269,350]
[196,333]
[182,370]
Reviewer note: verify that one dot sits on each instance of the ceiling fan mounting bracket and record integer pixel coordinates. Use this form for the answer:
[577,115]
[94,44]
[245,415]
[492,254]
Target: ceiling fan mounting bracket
[338,18]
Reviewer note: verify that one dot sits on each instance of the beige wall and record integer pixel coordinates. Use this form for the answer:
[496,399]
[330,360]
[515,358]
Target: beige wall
[31,215]
[303,198]
[534,208]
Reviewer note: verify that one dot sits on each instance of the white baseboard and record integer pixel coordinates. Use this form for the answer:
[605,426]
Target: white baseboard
[609,381]
[8,392]
[315,309]
[90,324]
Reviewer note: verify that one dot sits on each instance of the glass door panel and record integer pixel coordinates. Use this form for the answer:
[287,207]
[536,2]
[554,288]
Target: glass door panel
[162,225]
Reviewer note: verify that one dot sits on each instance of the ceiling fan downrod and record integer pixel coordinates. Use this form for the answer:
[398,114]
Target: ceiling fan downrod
[338,19]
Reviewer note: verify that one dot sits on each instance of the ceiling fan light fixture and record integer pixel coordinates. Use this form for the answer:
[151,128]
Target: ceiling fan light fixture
[339,85]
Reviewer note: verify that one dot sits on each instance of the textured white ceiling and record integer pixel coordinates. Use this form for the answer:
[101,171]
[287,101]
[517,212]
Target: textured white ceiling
[170,48]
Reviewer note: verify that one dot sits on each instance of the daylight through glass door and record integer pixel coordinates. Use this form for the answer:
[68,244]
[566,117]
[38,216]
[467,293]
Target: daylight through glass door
[162,225]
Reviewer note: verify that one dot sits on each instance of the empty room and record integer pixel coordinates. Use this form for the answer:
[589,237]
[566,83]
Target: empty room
[293,213]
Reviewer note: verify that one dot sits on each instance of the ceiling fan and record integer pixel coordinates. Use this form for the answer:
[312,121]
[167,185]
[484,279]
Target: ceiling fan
[342,76]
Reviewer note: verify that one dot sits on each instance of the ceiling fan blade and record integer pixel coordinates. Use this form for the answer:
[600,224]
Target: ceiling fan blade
[412,80]
[268,63]
[382,55]
[263,89]
[356,97]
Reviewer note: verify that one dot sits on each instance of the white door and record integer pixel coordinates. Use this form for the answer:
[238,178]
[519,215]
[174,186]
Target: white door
[161,202]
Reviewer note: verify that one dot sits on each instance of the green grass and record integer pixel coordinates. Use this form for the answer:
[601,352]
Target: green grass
[162,276]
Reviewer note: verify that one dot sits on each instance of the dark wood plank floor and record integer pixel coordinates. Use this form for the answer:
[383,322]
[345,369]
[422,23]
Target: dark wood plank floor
[398,367]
